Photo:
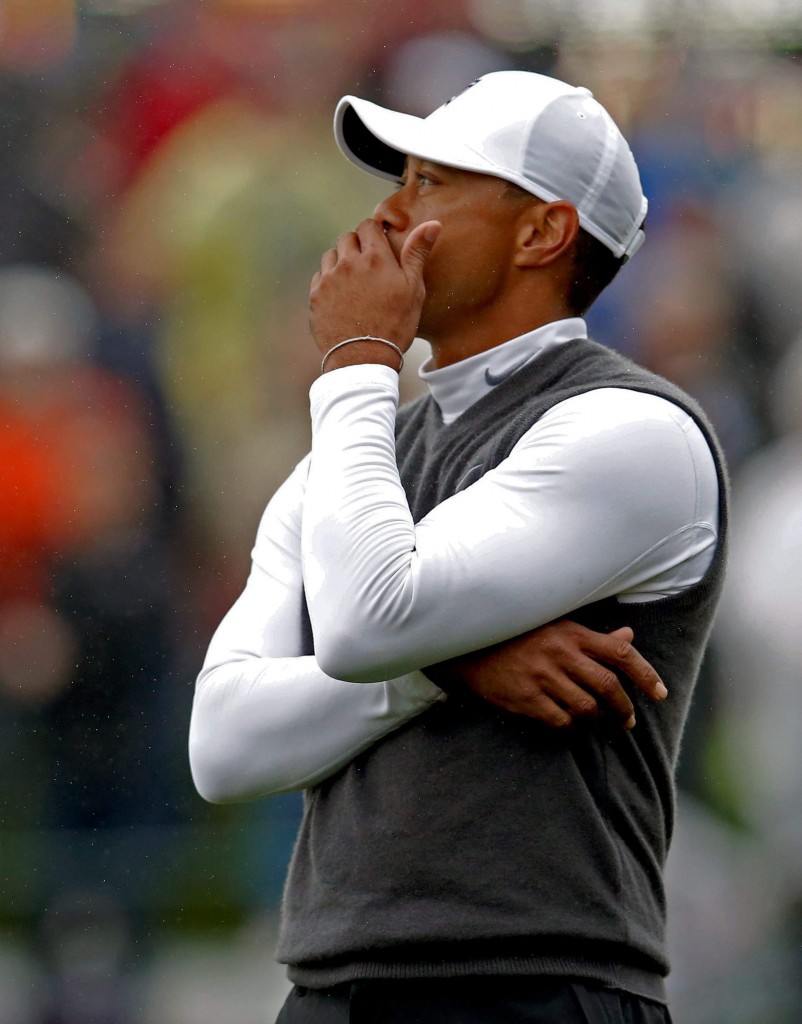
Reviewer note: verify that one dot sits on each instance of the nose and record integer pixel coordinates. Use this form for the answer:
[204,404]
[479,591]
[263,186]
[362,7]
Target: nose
[390,213]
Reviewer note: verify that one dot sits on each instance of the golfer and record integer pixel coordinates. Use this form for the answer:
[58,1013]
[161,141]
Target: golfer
[482,840]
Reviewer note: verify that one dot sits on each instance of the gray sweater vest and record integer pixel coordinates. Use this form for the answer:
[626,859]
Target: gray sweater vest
[476,842]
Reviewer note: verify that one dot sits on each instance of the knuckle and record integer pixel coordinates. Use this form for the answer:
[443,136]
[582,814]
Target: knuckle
[585,706]
[622,649]
[556,647]
[644,676]
[606,682]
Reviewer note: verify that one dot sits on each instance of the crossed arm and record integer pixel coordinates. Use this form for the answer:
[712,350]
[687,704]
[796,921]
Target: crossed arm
[266,719]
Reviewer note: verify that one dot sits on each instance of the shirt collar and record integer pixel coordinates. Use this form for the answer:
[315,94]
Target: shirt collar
[455,388]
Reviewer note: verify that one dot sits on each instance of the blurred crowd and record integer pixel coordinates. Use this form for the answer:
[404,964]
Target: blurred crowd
[169,181]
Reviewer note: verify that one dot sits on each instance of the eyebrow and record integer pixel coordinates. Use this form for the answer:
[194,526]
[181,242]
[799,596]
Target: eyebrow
[424,162]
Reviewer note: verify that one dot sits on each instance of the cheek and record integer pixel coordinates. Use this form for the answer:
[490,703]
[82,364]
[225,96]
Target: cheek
[438,262]
[469,255]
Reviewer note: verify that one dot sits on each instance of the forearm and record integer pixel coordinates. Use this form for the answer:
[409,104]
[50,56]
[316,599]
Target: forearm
[265,718]
[413,593]
[537,537]
[270,725]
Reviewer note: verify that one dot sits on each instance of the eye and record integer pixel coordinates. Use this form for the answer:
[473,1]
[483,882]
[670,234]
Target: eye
[419,177]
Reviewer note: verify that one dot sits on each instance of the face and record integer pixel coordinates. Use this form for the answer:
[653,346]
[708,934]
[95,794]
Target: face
[468,267]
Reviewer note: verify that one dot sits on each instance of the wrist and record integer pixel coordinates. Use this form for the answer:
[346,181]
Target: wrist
[358,351]
[451,676]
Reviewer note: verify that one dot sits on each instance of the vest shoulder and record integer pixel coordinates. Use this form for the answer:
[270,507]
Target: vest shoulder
[586,365]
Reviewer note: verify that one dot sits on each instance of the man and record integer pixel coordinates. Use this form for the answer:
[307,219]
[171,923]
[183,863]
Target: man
[459,862]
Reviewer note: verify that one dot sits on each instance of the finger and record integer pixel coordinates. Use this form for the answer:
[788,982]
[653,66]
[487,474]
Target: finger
[347,244]
[328,260]
[545,710]
[538,705]
[371,236]
[418,245]
[605,686]
[576,700]
[624,656]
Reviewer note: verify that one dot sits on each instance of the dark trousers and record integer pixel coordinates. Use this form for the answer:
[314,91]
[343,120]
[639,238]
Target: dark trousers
[470,1001]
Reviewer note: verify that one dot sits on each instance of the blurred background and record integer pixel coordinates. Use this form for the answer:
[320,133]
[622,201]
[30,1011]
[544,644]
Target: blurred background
[168,182]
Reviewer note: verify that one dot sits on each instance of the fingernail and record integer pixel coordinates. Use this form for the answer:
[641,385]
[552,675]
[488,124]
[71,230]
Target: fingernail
[431,232]
[661,691]
[630,722]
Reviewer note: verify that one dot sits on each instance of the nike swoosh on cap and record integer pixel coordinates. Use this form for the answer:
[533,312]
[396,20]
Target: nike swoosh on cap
[494,379]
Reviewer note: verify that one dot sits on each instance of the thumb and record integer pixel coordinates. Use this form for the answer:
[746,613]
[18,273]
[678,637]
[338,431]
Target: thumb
[625,633]
[418,245]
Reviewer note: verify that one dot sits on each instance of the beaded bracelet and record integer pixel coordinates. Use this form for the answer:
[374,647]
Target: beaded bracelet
[363,337]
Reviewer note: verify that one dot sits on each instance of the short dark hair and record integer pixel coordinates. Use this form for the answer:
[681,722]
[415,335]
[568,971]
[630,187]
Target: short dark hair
[594,265]
[594,268]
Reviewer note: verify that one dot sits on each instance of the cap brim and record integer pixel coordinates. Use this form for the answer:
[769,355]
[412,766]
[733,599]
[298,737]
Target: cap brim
[379,140]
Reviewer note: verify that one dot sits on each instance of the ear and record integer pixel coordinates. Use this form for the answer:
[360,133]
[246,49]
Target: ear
[546,232]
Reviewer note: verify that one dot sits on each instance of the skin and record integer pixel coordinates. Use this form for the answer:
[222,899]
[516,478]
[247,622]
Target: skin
[448,257]
[557,674]
[451,257]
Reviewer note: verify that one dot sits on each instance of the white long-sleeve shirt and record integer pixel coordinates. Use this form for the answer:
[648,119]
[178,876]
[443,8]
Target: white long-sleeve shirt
[609,493]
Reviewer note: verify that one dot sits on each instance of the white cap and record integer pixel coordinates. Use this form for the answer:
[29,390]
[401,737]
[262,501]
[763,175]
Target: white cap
[552,139]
